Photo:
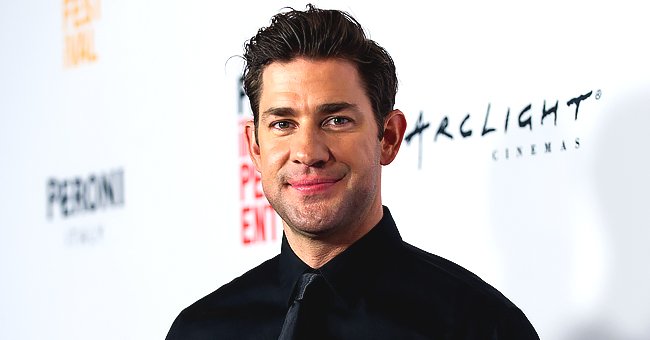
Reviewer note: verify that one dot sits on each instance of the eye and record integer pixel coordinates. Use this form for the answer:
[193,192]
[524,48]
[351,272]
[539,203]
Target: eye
[281,125]
[337,121]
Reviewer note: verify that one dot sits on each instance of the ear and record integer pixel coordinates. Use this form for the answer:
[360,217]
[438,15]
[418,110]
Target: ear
[251,143]
[394,127]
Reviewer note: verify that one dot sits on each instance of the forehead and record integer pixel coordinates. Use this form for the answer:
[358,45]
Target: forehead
[311,81]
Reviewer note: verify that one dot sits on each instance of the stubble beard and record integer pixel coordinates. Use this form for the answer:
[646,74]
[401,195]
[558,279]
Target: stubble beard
[320,219]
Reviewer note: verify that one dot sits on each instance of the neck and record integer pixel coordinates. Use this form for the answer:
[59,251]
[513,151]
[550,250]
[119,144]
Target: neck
[316,251]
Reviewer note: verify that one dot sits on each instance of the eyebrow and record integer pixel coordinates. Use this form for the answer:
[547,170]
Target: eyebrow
[329,108]
[324,109]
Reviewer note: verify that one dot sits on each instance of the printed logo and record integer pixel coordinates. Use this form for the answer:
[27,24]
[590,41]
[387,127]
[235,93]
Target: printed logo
[259,222]
[78,196]
[527,118]
[78,31]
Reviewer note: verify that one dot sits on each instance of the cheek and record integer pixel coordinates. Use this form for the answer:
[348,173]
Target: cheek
[358,152]
[273,155]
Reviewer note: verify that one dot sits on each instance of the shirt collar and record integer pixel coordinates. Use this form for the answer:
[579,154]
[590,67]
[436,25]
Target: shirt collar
[350,271]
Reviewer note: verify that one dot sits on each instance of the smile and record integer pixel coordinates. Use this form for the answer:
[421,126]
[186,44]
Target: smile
[312,185]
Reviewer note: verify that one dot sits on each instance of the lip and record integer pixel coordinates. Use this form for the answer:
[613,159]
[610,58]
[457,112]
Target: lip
[312,185]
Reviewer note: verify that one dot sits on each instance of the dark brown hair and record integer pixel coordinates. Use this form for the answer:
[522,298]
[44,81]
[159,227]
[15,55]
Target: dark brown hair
[319,34]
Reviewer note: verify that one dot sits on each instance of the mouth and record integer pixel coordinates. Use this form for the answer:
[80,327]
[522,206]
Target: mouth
[312,185]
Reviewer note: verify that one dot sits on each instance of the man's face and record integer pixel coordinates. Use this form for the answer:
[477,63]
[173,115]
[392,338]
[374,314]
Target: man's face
[319,155]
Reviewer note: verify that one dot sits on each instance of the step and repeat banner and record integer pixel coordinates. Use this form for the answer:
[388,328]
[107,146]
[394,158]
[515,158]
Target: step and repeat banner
[126,192]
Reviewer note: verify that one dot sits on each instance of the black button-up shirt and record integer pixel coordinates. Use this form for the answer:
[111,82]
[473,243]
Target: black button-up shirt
[378,288]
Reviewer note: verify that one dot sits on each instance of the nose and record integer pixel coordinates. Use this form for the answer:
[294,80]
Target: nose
[309,147]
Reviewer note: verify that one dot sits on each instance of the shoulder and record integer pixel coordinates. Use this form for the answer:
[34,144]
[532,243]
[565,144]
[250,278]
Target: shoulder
[216,310]
[256,280]
[441,270]
[443,288]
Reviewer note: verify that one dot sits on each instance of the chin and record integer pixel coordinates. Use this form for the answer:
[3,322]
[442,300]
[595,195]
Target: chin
[313,225]
[310,224]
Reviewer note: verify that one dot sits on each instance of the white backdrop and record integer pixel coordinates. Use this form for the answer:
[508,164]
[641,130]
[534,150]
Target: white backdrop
[123,199]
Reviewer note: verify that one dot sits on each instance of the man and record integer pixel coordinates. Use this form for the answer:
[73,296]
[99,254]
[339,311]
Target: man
[322,96]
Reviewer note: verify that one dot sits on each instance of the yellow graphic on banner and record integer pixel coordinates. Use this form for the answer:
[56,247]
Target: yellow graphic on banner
[78,31]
